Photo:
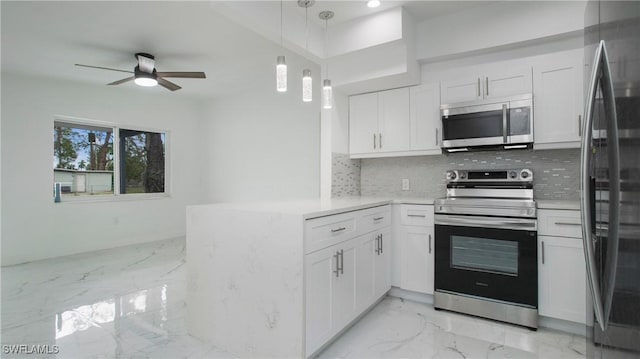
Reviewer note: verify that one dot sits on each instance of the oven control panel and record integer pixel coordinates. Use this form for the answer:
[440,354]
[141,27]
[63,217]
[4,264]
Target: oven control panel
[509,175]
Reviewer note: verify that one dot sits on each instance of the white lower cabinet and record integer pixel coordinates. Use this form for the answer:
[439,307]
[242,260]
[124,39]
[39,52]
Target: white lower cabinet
[562,282]
[413,265]
[417,258]
[331,294]
[346,278]
[562,277]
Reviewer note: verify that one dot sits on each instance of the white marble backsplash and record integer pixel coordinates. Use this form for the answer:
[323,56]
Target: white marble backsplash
[556,173]
[345,181]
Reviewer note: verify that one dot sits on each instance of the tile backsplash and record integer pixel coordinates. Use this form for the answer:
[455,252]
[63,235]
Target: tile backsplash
[345,172]
[556,172]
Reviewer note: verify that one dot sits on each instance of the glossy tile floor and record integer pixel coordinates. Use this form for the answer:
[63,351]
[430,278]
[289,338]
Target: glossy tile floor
[130,302]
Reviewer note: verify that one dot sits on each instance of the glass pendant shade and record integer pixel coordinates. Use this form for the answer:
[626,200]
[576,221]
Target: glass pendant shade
[327,94]
[307,86]
[281,75]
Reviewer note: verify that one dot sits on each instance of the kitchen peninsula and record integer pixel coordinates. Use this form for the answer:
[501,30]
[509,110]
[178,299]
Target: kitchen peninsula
[252,266]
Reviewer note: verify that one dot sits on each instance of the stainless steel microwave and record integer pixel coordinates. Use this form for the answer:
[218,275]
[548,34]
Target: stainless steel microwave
[505,123]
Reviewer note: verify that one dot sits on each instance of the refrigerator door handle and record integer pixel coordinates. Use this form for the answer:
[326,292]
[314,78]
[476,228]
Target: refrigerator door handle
[600,65]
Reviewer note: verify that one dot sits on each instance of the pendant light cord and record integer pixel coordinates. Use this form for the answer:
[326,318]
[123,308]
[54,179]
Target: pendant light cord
[281,42]
[326,45]
[306,28]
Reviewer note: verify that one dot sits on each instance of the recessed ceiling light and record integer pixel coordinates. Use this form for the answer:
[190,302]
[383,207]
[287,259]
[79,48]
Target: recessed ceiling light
[373,3]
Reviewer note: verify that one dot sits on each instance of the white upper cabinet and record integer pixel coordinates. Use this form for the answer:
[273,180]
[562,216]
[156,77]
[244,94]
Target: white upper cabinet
[394,120]
[493,81]
[502,82]
[461,90]
[399,122]
[363,123]
[379,122]
[426,127]
[558,102]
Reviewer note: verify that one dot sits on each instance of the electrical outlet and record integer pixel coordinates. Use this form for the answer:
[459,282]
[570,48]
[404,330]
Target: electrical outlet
[405,184]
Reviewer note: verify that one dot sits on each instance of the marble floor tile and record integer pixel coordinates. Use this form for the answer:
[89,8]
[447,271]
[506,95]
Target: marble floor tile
[130,303]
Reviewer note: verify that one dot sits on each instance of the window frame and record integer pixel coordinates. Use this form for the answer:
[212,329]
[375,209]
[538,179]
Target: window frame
[117,195]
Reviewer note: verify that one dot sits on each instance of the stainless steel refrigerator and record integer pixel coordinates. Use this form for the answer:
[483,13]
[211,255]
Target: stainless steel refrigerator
[610,182]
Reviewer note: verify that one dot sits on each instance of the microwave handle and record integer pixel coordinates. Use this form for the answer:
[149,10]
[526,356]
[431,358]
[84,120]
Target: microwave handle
[505,123]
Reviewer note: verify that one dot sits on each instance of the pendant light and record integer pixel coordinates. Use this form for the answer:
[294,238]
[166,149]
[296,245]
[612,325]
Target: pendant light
[281,65]
[327,91]
[307,81]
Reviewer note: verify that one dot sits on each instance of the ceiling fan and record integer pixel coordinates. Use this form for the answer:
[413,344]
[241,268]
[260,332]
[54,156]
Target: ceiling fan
[145,74]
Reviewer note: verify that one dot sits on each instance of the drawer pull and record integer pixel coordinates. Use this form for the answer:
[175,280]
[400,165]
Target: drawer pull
[417,215]
[567,224]
[337,257]
[338,229]
[378,218]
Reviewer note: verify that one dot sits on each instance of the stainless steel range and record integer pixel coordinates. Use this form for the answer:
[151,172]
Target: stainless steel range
[485,246]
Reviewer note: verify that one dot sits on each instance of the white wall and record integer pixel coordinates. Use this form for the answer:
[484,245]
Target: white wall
[500,24]
[263,145]
[33,226]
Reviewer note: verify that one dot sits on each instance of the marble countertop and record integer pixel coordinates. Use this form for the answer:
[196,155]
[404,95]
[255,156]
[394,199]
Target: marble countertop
[313,208]
[558,204]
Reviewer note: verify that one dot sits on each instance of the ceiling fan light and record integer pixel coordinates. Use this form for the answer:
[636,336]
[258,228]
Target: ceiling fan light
[144,78]
[146,81]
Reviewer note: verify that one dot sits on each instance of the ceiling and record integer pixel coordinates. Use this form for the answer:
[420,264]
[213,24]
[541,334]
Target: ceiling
[48,38]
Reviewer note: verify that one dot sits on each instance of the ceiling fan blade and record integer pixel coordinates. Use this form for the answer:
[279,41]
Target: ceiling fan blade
[190,75]
[121,81]
[103,68]
[168,84]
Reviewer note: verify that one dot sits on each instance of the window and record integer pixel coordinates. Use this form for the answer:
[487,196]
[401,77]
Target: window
[93,160]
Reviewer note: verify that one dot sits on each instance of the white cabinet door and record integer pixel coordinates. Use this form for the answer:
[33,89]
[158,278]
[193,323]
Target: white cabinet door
[507,82]
[365,287]
[330,276]
[394,120]
[319,278]
[382,275]
[562,279]
[418,258]
[343,300]
[461,90]
[363,123]
[557,86]
[426,126]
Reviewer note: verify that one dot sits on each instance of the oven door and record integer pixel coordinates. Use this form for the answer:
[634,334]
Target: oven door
[487,257]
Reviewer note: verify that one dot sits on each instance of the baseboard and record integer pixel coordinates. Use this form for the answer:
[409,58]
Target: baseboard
[565,326]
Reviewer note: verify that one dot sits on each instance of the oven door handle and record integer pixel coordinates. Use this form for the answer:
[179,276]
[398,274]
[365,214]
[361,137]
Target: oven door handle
[521,224]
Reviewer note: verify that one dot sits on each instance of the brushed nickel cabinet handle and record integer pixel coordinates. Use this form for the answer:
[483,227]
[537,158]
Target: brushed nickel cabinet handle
[429,244]
[542,252]
[338,229]
[381,244]
[436,136]
[567,224]
[377,245]
[374,141]
[378,218]
[579,125]
[342,261]
[479,94]
[380,140]
[486,82]
[337,271]
[417,215]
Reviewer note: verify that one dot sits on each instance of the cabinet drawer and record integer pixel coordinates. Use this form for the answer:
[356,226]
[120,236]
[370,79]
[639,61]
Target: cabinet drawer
[416,215]
[374,218]
[327,231]
[561,223]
